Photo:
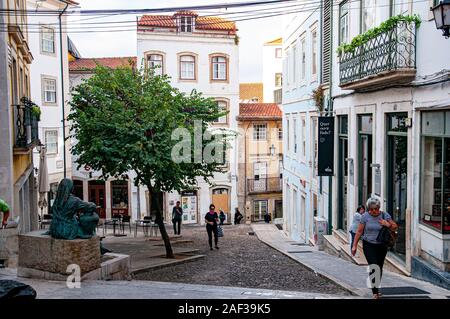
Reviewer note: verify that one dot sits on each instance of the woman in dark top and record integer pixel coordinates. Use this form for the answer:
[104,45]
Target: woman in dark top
[211,219]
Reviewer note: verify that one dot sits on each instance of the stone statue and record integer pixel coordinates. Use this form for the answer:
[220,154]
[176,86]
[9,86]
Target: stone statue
[71,217]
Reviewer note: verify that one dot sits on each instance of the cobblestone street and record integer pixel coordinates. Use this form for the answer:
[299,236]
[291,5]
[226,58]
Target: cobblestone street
[241,261]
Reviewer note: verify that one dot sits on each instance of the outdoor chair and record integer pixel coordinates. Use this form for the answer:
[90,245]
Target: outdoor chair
[144,224]
[46,220]
[154,228]
[114,221]
[125,220]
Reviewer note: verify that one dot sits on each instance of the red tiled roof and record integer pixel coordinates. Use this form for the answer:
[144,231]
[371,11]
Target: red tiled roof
[85,64]
[201,23]
[259,110]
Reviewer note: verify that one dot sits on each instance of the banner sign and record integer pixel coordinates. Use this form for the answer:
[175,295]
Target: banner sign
[325,165]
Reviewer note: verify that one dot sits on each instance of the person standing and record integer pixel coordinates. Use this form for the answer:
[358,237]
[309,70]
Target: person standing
[211,219]
[222,217]
[355,223]
[237,216]
[267,217]
[374,251]
[177,214]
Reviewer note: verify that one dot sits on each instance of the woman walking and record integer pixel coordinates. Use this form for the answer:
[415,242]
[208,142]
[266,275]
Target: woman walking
[211,219]
[355,223]
[374,251]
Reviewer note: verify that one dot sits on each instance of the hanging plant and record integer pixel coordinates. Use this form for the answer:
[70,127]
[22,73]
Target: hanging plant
[385,26]
[36,111]
[318,97]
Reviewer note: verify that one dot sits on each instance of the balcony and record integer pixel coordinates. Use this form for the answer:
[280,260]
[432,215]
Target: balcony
[385,60]
[264,185]
[26,121]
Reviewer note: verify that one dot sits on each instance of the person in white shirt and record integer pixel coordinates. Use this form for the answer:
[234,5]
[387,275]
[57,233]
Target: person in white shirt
[355,222]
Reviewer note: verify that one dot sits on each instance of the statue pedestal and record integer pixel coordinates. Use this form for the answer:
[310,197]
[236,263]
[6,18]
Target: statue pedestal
[41,256]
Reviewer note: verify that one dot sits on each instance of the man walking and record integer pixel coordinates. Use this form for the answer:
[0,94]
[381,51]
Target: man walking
[177,214]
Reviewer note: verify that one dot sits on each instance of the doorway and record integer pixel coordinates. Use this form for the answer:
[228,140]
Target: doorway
[260,208]
[342,173]
[96,191]
[278,209]
[365,158]
[397,174]
[220,199]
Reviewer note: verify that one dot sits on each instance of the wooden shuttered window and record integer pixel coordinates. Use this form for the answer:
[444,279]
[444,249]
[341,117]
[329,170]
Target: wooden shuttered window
[326,42]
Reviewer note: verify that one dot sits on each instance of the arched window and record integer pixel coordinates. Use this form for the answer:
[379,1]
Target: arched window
[219,68]
[187,67]
[156,62]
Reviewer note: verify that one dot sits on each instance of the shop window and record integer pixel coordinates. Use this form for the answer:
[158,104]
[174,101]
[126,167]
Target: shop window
[119,197]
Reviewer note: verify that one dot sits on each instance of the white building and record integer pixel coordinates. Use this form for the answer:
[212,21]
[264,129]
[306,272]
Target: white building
[49,86]
[272,70]
[393,128]
[197,53]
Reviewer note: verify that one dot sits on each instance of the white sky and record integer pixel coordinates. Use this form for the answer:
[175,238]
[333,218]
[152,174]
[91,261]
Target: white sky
[253,33]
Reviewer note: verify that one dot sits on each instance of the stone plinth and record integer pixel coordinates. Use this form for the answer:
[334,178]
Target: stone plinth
[45,257]
[9,246]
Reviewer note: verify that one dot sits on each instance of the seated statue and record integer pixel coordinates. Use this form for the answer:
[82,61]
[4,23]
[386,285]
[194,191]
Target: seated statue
[71,217]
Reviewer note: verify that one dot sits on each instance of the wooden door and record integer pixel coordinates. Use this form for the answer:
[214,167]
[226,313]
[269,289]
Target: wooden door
[97,196]
[220,199]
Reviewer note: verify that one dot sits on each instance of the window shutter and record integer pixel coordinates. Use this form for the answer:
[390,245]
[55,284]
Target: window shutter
[326,44]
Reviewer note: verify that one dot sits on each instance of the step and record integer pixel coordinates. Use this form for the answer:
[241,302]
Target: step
[341,236]
[358,259]
[332,245]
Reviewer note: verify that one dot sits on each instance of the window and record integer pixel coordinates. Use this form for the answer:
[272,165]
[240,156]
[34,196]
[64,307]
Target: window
[155,62]
[278,52]
[222,108]
[187,67]
[343,22]
[47,40]
[278,79]
[260,209]
[119,197]
[368,8]
[303,137]
[259,132]
[294,64]
[49,88]
[288,146]
[314,52]
[303,58]
[259,170]
[51,141]
[399,7]
[219,68]
[295,136]
[186,24]
[280,167]
[280,133]
[435,180]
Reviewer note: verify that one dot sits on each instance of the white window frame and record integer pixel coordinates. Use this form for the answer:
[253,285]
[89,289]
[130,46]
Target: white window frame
[344,21]
[314,64]
[303,134]
[260,132]
[278,79]
[219,68]
[47,87]
[295,135]
[186,24]
[278,53]
[223,105]
[369,10]
[185,72]
[51,151]
[47,41]
[156,62]
[303,60]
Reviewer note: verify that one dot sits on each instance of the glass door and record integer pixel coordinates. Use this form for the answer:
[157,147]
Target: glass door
[397,169]
[342,173]
[365,158]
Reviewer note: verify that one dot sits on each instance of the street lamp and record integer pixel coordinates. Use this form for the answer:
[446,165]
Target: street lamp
[441,14]
[272,150]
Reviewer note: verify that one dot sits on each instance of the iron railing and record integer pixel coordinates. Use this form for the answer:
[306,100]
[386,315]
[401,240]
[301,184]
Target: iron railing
[389,51]
[27,127]
[262,185]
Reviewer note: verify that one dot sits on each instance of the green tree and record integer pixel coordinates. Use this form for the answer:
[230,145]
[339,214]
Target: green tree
[124,120]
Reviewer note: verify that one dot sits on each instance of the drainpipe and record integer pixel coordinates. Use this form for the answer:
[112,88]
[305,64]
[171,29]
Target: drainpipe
[330,113]
[62,87]
[245,172]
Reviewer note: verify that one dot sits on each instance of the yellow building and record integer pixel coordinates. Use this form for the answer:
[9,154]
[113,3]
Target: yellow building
[18,117]
[260,160]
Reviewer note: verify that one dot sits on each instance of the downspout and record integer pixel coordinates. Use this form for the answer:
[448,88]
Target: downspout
[245,172]
[330,113]
[62,87]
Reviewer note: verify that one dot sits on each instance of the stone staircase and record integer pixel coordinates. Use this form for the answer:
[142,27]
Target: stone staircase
[337,244]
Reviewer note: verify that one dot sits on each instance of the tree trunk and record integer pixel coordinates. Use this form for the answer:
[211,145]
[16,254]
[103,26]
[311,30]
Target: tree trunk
[156,207]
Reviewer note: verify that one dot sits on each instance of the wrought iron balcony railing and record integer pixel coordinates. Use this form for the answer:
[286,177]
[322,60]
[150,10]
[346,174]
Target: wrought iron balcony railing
[27,127]
[388,58]
[264,185]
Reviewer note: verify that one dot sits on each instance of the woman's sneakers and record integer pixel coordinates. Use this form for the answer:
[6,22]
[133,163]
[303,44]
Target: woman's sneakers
[217,247]
[210,248]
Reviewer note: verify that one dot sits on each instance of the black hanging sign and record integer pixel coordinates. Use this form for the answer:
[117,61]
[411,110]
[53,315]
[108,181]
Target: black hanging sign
[325,146]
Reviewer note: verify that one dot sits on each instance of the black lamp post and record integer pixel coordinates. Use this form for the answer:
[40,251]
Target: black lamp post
[441,14]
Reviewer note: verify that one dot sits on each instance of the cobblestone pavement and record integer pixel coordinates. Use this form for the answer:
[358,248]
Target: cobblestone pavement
[241,261]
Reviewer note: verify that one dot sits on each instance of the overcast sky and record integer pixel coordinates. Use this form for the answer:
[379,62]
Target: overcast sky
[253,33]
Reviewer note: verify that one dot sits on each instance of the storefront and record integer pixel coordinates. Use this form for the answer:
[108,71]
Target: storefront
[119,197]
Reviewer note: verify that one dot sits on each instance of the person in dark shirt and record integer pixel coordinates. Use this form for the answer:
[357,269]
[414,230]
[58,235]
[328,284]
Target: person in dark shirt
[211,219]
[177,213]
[222,217]
[237,216]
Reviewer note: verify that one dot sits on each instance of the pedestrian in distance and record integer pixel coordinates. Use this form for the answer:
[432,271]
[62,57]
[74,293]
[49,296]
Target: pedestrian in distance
[237,216]
[177,214]
[355,222]
[222,217]
[267,218]
[375,251]
[212,219]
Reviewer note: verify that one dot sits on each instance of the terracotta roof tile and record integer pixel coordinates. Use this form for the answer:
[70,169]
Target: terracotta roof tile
[85,64]
[201,23]
[249,91]
[259,110]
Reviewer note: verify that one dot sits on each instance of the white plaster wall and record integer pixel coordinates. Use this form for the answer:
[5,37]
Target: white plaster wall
[271,66]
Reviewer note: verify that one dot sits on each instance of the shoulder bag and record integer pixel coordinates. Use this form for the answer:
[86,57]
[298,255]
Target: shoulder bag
[387,236]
